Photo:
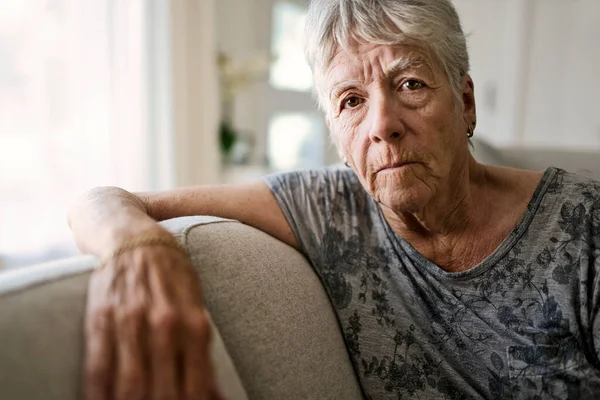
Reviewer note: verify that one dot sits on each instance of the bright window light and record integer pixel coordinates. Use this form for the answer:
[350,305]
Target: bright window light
[72,115]
[290,71]
[296,141]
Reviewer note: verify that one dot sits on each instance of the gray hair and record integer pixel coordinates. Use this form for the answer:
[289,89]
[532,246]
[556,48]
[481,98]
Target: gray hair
[434,24]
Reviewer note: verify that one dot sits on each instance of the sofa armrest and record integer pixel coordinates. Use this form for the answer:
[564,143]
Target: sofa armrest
[42,310]
[268,306]
[271,310]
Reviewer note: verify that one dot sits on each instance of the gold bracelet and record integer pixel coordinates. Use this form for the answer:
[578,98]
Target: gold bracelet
[143,241]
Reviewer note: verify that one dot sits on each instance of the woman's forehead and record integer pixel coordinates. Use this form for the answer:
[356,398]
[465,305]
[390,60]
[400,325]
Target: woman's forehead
[360,62]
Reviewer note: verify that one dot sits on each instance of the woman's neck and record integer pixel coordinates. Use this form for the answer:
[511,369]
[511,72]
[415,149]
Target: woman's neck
[465,223]
[450,212]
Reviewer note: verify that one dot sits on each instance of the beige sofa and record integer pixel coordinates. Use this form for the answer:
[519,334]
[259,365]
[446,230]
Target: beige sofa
[276,334]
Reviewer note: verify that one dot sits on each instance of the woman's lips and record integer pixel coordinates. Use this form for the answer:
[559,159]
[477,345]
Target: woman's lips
[394,166]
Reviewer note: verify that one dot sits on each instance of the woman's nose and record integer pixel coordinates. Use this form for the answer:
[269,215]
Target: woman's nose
[385,121]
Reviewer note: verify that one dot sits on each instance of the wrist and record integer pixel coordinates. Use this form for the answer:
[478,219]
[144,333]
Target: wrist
[129,229]
[147,239]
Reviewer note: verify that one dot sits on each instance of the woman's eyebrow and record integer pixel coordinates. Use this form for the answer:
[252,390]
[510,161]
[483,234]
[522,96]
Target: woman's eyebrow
[341,87]
[394,68]
[402,64]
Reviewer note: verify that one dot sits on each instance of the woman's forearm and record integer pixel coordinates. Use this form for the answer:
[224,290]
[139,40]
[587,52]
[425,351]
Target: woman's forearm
[104,217]
[144,306]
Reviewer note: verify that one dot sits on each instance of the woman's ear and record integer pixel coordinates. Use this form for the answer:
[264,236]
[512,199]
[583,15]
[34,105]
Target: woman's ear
[468,99]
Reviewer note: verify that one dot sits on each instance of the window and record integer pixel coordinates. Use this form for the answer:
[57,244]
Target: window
[296,130]
[290,70]
[72,115]
[296,141]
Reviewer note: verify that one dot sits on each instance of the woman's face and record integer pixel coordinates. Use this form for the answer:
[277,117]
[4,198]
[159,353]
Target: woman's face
[393,115]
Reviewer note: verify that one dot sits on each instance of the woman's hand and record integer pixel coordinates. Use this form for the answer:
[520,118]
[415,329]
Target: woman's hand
[147,334]
[146,331]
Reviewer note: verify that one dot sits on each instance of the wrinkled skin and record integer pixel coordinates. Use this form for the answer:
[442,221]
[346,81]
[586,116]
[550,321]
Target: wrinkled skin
[390,105]
[147,334]
[395,118]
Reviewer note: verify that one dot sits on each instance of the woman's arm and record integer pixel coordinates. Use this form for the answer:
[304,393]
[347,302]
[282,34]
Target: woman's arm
[104,217]
[146,330]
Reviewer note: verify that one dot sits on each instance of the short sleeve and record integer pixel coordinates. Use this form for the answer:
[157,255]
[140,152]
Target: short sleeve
[594,277]
[313,203]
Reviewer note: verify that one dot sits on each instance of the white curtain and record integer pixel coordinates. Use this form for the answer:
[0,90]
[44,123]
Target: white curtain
[72,115]
[195,92]
[95,93]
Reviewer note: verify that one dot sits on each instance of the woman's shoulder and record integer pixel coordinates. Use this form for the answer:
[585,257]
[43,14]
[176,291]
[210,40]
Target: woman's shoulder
[570,202]
[333,178]
[321,186]
[572,186]
[331,173]
[335,193]
[551,195]
[553,180]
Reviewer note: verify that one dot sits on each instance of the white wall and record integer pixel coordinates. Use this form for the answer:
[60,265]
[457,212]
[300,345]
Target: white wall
[535,65]
[195,92]
[487,22]
[563,82]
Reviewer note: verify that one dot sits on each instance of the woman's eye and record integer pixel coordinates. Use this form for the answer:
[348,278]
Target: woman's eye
[412,84]
[351,102]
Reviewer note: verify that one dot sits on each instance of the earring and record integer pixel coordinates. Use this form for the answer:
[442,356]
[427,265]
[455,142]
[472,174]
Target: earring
[345,160]
[470,131]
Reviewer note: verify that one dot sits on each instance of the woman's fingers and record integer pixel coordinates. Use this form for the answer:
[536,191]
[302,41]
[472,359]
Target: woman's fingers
[99,354]
[164,348]
[99,340]
[132,376]
[198,380]
[164,324]
[147,335]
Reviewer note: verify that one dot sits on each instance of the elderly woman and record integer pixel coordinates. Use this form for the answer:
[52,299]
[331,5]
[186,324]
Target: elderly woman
[450,279]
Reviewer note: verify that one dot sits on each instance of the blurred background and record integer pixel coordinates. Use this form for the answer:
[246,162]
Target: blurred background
[153,94]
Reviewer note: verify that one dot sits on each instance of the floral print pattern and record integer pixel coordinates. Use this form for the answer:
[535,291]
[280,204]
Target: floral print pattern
[524,324]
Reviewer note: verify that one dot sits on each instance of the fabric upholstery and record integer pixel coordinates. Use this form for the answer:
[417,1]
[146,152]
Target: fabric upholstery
[42,309]
[274,316]
[277,336]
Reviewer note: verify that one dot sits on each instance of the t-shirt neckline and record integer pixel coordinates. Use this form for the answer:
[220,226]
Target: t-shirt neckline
[402,246]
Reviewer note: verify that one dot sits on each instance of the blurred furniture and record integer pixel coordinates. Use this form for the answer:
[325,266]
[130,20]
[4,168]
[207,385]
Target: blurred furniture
[586,163]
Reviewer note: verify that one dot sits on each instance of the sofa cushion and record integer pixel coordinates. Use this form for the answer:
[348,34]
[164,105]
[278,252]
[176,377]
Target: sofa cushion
[273,317]
[42,311]
[272,312]
[585,163]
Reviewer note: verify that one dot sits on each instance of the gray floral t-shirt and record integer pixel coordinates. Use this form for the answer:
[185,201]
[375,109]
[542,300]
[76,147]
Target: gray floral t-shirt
[523,324]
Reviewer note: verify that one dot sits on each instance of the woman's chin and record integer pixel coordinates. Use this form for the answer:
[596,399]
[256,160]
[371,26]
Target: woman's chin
[403,199]
[401,190]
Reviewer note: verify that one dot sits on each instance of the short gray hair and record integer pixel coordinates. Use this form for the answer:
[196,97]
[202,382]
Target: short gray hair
[434,24]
